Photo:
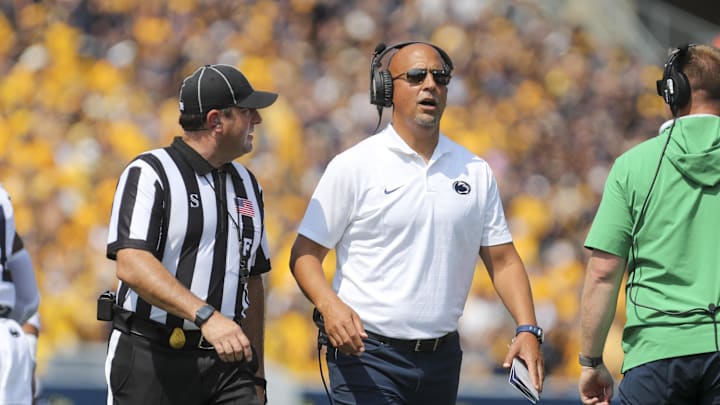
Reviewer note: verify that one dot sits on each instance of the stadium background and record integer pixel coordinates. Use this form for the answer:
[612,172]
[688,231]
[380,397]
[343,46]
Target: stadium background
[549,92]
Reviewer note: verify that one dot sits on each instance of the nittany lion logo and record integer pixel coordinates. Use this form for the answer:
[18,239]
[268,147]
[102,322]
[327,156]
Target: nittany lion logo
[461,187]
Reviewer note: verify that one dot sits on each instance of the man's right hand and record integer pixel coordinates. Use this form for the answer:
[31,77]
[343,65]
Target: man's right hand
[227,337]
[344,328]
[595,385]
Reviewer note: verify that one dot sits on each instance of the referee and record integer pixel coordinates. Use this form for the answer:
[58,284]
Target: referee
[187,234]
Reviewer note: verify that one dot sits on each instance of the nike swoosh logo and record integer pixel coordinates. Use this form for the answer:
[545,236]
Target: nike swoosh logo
[392,189]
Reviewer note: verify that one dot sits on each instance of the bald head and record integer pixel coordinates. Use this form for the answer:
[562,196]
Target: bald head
[415,52]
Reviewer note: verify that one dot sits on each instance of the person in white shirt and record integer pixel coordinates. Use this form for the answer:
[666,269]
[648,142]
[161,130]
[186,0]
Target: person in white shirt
[408,211]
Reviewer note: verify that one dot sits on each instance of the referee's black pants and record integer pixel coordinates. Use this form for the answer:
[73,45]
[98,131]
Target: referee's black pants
[140,371]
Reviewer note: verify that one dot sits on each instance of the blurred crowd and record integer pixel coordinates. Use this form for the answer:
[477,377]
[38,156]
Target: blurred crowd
[88,84]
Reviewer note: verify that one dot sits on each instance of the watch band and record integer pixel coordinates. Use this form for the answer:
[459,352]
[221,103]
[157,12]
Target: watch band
[591,362]
[534,329]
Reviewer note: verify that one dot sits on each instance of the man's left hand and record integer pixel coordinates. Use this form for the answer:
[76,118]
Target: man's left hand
[526,347]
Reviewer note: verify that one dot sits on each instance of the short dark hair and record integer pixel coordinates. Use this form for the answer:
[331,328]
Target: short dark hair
[192,122]
[701,65]
[197,122]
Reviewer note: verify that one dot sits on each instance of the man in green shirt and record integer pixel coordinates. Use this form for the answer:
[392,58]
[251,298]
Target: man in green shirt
[660,216]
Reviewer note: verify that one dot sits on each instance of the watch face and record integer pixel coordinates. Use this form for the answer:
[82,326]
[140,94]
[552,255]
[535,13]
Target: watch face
[538,332]
[203,314]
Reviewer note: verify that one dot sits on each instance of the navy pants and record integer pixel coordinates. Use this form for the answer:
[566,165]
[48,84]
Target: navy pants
[687,380]
[384,374]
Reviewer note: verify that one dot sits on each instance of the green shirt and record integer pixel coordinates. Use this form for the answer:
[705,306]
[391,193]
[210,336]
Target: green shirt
[676,257]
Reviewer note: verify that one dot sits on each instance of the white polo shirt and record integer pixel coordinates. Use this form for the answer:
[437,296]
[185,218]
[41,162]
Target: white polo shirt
[407,234]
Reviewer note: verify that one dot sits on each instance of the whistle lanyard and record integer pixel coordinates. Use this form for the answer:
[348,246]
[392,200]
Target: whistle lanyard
[221,195]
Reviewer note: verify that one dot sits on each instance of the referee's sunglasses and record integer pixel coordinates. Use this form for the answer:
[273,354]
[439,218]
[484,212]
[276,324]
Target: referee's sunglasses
[416,76]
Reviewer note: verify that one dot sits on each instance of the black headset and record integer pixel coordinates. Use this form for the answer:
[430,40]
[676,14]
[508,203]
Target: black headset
[381,84]
[674,87]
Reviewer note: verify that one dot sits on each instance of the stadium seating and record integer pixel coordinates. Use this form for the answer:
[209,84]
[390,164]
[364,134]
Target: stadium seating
[87,85]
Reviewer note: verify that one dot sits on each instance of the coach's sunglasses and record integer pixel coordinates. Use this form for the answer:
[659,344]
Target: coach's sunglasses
[416,76]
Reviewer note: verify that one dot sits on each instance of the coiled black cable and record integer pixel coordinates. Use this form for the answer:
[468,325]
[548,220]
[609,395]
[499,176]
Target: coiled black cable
[322,340]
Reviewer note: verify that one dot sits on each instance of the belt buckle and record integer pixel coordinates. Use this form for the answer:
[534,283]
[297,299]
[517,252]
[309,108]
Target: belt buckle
[419,345]
[203,344]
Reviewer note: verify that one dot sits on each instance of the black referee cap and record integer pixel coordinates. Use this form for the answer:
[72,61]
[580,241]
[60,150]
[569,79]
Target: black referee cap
[220,86]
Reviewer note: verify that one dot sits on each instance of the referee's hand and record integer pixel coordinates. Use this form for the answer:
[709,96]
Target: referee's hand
[227,337]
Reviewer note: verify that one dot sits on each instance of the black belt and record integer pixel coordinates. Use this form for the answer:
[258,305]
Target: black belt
[177,338]
[5,311]
[418,345]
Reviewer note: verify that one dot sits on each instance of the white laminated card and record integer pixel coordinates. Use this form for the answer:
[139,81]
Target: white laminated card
[520,379]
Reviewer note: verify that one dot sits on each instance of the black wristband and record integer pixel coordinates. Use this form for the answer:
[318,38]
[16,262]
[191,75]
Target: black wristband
[591,362]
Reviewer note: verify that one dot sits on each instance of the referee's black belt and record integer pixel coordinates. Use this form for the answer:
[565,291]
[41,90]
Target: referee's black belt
[175,338]
[417,345]
[5,311]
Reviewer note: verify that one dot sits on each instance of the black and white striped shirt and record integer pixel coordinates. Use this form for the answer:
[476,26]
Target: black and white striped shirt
[200,222]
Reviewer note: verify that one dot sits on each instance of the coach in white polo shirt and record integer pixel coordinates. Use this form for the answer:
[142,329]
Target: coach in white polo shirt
[408,211]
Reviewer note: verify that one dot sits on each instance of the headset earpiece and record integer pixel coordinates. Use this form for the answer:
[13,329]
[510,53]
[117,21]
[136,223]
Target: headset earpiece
[216,121]
[674,87]
[382,89]
[682,89]
[380,84]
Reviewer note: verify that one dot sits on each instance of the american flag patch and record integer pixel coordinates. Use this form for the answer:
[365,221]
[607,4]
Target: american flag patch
[244,207]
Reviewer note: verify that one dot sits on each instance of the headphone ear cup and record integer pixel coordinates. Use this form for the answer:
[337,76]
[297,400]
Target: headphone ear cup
[386,90]
[681,94]
[379,89]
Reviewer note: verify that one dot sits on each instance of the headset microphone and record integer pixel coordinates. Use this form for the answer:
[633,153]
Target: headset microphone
[379,48]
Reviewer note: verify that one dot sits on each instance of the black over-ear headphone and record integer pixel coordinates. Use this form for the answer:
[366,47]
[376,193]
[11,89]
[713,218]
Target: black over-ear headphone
[381,85]
[674,87]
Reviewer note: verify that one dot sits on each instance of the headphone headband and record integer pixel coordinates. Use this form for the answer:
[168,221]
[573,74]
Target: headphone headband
[381,50]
